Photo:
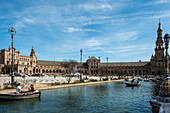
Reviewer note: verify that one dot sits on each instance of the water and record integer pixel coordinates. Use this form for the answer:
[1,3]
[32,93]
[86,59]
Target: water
[112,97]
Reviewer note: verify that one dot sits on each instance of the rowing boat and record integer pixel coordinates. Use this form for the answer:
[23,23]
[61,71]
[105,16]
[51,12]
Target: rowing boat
[132,84]
[20,96]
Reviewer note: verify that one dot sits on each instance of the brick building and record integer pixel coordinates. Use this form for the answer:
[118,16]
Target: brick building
[93,65]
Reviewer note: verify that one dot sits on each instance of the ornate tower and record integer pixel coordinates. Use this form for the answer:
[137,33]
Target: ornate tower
[32,52]
[93,65]
[33,61]
[159,50]
[157,60]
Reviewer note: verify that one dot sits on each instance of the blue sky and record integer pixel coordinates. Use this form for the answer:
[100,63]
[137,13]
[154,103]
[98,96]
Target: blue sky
[122,30]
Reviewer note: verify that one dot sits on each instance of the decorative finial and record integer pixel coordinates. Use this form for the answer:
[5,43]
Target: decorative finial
[159,28]
[159,22]
[81,50]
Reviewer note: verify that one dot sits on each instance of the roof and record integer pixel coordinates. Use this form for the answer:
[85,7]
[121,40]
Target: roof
[92,57]
[44,62]
[126,64]
[59,63]
[24,56]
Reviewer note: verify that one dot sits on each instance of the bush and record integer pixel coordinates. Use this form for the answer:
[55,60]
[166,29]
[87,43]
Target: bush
[53,84]
[1,72]
[105,79]
[9,85]
[92,80]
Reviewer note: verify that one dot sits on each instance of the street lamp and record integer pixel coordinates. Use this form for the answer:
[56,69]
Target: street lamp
[12,31]
[166,40]
[107,67]
[81,51]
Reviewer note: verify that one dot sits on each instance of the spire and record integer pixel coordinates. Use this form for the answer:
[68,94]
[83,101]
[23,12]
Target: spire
[159,28]
[32,51]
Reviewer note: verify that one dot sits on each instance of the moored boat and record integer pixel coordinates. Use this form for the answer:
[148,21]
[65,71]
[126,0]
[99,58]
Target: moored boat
[154,80]
[146,80]
[20,96]
[140,79]
[126,79]
[132,84]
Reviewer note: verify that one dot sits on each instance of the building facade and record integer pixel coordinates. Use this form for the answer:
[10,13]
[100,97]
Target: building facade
[93,66]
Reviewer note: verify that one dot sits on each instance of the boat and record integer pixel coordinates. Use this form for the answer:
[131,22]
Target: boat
[132,84]
[126,79]
[154,80]
[140,79]
[146,80]
[20,96]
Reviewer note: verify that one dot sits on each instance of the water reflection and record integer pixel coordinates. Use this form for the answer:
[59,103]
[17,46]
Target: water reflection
[155,89]
[18,105]
[112,97]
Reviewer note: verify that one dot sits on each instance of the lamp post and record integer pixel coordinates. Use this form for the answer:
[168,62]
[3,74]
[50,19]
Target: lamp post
[166,40]
[107,68]
[12,31]
[81,51]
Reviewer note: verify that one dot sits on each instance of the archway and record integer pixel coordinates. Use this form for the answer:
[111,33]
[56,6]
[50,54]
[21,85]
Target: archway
[159,72]
[34,70]
[153,73]
[25,70]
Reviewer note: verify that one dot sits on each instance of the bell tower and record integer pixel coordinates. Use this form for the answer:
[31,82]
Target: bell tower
[157,60]
[159,49]
[32,52]
[33,57]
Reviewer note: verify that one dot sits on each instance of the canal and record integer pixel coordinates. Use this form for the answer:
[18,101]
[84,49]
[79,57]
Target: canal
[113,97]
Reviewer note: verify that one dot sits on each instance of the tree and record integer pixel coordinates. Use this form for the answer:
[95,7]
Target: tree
[101,73]
[71,68]
[119,72]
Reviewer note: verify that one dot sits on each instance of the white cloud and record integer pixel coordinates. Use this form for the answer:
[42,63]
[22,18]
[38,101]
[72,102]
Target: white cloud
[126,36]
[92,6]
[93,42]
[71,29]
[157,2]
[28,20]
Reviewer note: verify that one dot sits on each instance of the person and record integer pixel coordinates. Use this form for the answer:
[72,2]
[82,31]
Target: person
[18,88]
[31,88]
[23,76]
[137,81]
[132,81]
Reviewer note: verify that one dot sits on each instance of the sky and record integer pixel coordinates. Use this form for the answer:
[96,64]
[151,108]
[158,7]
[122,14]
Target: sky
[122,30]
